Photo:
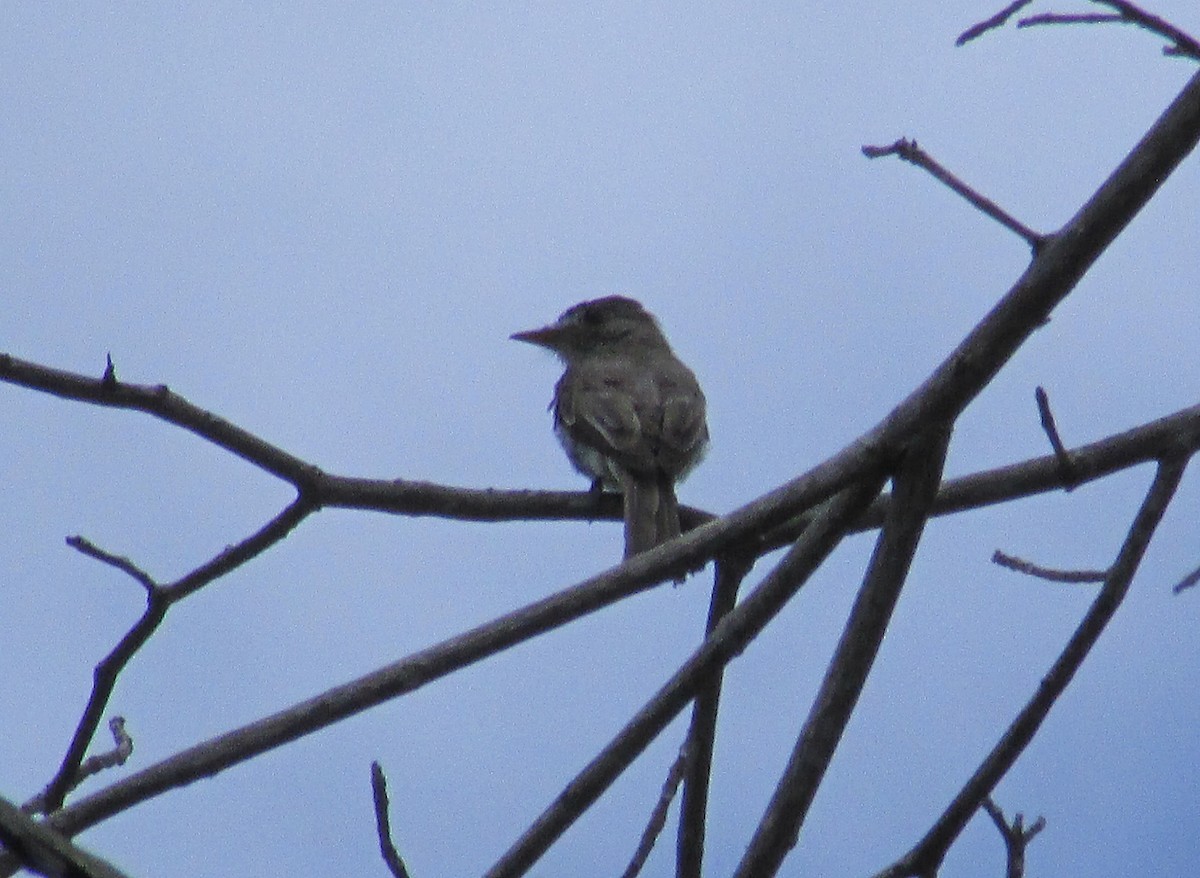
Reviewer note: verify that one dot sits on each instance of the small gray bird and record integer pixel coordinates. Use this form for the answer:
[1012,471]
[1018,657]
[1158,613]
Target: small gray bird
[628,413]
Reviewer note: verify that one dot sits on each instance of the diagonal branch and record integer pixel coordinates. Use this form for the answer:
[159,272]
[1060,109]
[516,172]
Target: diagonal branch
[44,850]
[998,20]
[909,151]
[915,487]
[927,855]
[731,636]
[658,817]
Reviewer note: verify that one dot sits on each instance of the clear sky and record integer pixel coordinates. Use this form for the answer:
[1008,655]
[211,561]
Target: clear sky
[323,221]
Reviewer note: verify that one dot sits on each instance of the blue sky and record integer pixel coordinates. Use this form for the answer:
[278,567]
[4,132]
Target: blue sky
[323,223]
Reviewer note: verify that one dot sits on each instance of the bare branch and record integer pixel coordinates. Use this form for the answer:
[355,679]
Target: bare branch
[1016,837]
[43,850]
[162,403]
[916,485]
[1182,43]
[1069,476]
[998,20]
[1188,581]
[1022,566]
[121,751]
[383,825]
[909,151]
[658,817]
[1079,18]
[730,571]
[927,855]
[123,564]
[158,600]
[726,642]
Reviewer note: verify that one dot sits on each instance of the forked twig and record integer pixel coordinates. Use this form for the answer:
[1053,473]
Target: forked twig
[1016,837]
[1182,43]
[159,599]
[121,751]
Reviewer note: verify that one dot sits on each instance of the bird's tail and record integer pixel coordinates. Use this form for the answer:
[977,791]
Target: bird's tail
[651,513]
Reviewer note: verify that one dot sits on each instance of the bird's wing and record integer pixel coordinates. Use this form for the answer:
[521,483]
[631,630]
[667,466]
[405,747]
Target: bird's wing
[604,419]
[684,429]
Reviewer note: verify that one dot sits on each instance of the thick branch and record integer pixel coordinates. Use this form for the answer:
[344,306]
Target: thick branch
[44,850]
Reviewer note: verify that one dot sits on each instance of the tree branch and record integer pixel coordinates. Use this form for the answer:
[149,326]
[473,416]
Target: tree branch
[727,641]
[915,487]
[1182,43]
[927,855]
[693,809]
[1016,837]
[41,849]
[658,817]
[391,857]
[910,152]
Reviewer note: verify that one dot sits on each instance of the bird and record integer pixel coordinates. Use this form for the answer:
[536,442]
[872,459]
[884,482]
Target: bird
[629,414]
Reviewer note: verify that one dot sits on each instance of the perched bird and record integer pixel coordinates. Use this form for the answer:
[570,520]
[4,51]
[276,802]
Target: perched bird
[628,413]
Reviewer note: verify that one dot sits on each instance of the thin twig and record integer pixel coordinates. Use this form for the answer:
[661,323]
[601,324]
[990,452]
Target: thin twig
[1027,567]
[1187,581]
[998,20]
[383,826]
[909,151]
[1016,837]
[123,564]
[109,379]
[1044,18]
[658,817]
[1069,476]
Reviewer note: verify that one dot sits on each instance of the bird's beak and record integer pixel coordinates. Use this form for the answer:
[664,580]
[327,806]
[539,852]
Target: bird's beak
[545,337]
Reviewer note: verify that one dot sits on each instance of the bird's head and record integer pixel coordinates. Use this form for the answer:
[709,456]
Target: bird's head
[613,323]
